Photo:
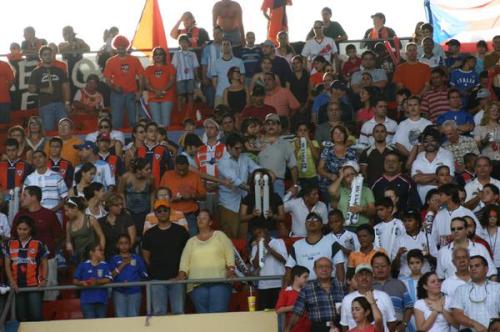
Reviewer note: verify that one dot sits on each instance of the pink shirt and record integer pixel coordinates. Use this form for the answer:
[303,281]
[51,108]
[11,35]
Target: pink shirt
[282,100]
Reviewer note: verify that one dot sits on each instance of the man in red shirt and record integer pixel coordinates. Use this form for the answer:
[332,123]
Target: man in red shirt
[257,108]
[412,74]
[122,72]
[6,81]
[48,231]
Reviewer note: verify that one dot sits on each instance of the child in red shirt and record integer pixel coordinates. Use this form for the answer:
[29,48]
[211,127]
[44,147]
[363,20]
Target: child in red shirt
[288,296]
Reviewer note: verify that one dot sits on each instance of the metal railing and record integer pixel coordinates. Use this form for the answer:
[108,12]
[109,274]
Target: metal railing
[11,305]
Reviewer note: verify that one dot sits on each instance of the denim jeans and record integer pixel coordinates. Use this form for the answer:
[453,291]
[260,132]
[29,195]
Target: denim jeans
[174,294]
[51,114]
[29,306]
[209,93]
[161,112]
[4,113]
[208,298]
[121,102]
[127,305]
[192,224]
[94,310]
[279,187]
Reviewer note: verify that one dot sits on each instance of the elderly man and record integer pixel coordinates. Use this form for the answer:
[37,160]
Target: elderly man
[277,154]
[363,277]
[477,302]
[318,298]
[458,144]
[461,260]
[483,169]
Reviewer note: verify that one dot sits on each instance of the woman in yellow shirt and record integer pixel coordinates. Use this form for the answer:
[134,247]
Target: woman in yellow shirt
[209,254]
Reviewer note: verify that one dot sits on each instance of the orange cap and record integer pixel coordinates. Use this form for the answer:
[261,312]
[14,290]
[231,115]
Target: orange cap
[161,202]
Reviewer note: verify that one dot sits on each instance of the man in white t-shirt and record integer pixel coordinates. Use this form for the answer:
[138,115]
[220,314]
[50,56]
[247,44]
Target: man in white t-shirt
[363,277]
[306,251]
[319,45]
[366,135]
[483,169]
[300,207]
[409,130]
[423,170]
[461,260]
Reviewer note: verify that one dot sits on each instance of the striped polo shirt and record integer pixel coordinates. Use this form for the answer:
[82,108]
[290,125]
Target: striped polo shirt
[435,103]
[53,187]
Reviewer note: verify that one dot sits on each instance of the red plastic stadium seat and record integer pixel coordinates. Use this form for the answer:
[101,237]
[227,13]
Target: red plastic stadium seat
[68,309]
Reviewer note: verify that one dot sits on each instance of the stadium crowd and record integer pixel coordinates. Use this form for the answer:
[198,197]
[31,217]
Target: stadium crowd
[369,181]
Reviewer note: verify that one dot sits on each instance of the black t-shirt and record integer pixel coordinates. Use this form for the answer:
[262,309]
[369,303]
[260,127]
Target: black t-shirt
[282,68]
[274,202]
[165,246]
[112,232]
[40,79]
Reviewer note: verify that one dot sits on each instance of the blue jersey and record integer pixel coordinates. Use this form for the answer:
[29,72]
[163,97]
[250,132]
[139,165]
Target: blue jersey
[87,271]
[464,80]
[251,59]
[134,271]
[460,117]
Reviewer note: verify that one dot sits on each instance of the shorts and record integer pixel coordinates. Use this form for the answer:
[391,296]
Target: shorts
[233,36]
[185,87]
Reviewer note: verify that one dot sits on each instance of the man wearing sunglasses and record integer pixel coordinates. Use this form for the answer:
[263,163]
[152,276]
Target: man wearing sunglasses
[477,302]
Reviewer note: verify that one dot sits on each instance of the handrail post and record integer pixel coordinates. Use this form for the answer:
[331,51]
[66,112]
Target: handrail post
[148,300]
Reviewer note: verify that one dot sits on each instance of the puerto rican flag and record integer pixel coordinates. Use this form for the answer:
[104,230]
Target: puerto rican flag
[465,20]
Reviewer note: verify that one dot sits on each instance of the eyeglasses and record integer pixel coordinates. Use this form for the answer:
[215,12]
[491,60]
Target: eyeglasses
[162,210]
[103,127]
[455,229]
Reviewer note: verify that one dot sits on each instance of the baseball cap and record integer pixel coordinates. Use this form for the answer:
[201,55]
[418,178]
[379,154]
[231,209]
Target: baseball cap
[379,15]
[363,267]
[483,93]
[259,91]
[86,145]
[104,137]
[453,42]
[65,119]
[338,85]
[211,121]
[353,164]
[161,202]
[272,117]
[268,42]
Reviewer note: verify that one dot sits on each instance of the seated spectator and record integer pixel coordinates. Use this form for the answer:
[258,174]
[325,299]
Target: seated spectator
[415,261]
[83,178]
[368,97]
[352,64]
[236,96]
[272,262]
[363,277]
[14,170]
[93,272]
[379,117]
[88,153]
[288,296]
[378,76]
[490,222]
[250,54]
[82,231]
[220,72]
[111,152]
[65,131]
[284,49]
[256,108]
[95,196]
[435,100]
[323,131]
[35,137]
[465,122]
[487,134]
[340,191]
[483,169]
[18,133]
[461,260]
[347,240]
[366,237]
[412,74]
[26,266]
[208,255]
[88,99]
[459,145]
[379,31]
[471,234]
[427,55]
[433,309]
[318,67]
[127,267]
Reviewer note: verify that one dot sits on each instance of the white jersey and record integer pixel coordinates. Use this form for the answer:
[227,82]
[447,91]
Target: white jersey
[421,241]
[442,223]
[272,266]
[347,239]
[386,234]
[408,132]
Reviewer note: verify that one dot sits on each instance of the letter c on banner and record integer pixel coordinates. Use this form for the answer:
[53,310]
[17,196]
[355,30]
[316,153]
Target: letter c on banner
[87,67]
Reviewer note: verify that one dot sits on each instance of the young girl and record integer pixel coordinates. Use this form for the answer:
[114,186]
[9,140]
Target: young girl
[366,314]
[127,267]
[93,272]
[288,296]
[26,266]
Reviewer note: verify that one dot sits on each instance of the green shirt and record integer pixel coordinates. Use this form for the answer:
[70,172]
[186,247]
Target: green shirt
[366,198]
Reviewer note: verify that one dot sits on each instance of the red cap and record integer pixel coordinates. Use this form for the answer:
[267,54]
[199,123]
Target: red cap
[120,41]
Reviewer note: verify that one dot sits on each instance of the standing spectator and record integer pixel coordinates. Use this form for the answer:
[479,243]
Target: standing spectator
[427,56]
[300,207]
[187,189]
[115,223]
[197,36]
[57,163]
[280,66]
[159,79]
[318,298]
[52,86]
[412,74]
[390,228]
[409,130]
[366,314]
[323,131]
[353,62]
[284,48]
[461,260]
[319,45]
[72,48]
[465,78]
[88,154]
[423,169]
[432,310]
[54,190]
[490,221]
[275,13]
[162,249]
[31,44]
[491,59]
[395,288]
[126,266]
[209,254]
[235,168]
[108,153]
[347,240]
[83,178]
[186,66]
[456,112]
[487,134]
[228,15]
[65,129]
[308,158]
[379,117]
[26,266]
[250,55]
[366,238]
[378,76]
[121,72]
[331,29]
[13,171]
[7,80]
[371,160]
[48,231]
[220,78]
[435,100]
[363,277]
[257,109]
[379,31]
[299,80]
[280,98]
[211,52]
[445,267]
[93,272]
[236,95]
[94,195]
[277,154]
[477,302]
